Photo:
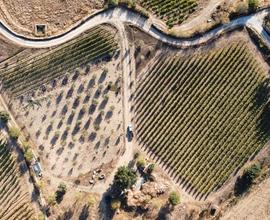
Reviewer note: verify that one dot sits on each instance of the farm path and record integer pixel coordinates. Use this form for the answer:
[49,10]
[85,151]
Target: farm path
[122,15]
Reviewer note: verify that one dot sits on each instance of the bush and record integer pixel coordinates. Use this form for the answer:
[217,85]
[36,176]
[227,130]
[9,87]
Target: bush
[253,4]
[14,133]
[115,204]
[151,168]
[248,177]
[140,162]
[4,117]
[28,155]
[91,201]
[51,200]
[124,179]
[113,2]
[61,191]
[174,198]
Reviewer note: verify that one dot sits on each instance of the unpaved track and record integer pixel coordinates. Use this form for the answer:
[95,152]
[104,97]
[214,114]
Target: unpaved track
[123,15]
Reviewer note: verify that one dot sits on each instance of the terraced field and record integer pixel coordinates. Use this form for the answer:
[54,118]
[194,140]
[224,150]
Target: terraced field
[14,202]
[203,116]
[171,11]
[28,73]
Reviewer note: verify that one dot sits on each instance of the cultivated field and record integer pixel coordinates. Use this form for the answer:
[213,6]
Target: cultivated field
[171,11]
[68,99]
[203,116]
[23,74]
[14,202]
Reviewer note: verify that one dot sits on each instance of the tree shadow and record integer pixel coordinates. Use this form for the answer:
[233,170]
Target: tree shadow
[84,213]
[92,136]
[102,77]
[80,89]
[108,115]
[59,98]
[103,104]
[67,215]
[92,109]
[91,84]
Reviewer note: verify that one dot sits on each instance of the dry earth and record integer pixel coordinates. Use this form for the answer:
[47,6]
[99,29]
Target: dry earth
[58,15]
[78,126]
[254,206]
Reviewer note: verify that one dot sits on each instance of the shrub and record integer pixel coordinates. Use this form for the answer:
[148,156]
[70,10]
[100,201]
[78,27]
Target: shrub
[151,168]
[61,191]
[174,198]
[248,177]
[51,200]
[124,178]
[4,117]
[113,2]
[91,201]
[28,155]
[115,204]
[14,133]
[140,162]
[253,4]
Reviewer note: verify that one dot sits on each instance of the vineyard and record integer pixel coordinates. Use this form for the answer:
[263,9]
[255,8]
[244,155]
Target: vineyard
[173,12]
[30,72]
[14,202]
[203,116]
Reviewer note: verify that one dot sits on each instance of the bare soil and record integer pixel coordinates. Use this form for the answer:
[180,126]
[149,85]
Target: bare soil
[78,127]
[256,205]
[57,15]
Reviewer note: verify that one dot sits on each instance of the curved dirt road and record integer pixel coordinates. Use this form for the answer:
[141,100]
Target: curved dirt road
[121,15]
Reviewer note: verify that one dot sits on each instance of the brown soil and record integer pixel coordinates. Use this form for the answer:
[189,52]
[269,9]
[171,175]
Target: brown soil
[57,15]
[78,126]
[7,49]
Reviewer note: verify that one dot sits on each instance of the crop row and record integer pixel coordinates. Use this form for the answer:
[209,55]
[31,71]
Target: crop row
[199,115]
[173,12]
[13,202]
[30,73]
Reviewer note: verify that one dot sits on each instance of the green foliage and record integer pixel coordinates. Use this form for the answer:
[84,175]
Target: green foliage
[61,191]
[248,177]
[215,118]
[51,200]
[174,198]
[31,72]
[140,162]
[124,178]
[115,204]
[28,155]
[253,4]
[14,133]
[171,11]
[113,2]
[4,116]
[91,201]
[151,168]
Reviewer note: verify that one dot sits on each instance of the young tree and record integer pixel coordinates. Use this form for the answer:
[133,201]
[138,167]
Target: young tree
[113,2]
[124,179]
[115,204]
[174,198]
[4,117]
[61,191]
[248,177]
[253,4]
[14,133]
